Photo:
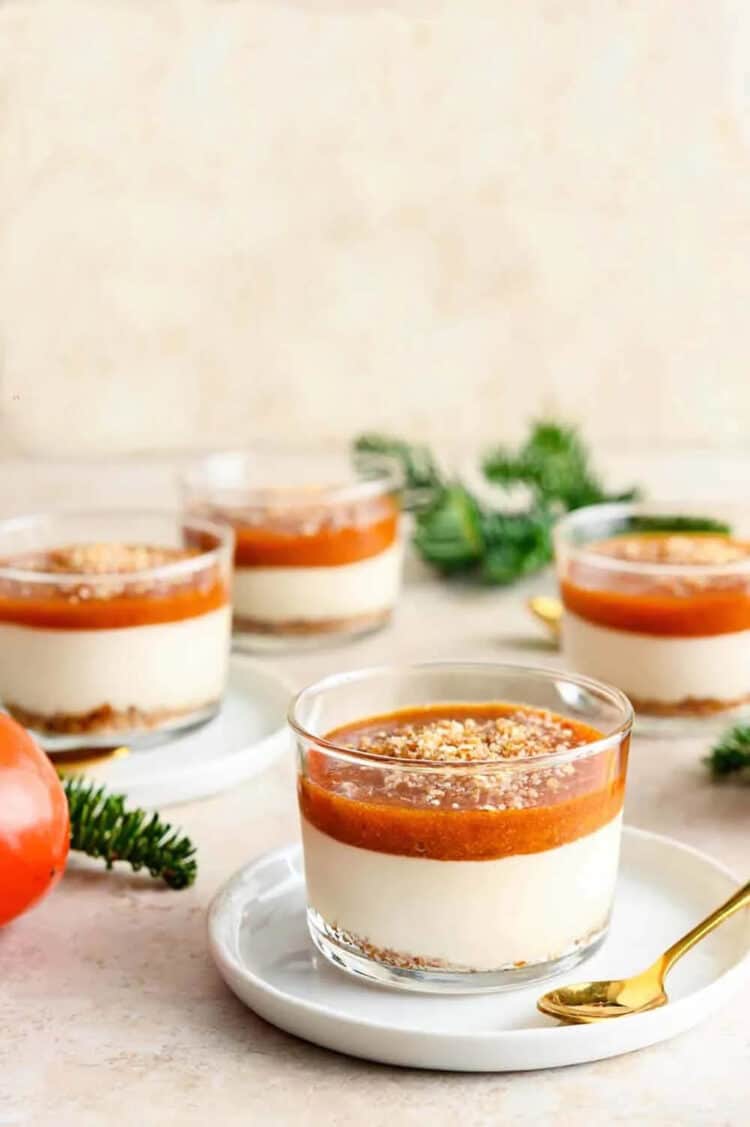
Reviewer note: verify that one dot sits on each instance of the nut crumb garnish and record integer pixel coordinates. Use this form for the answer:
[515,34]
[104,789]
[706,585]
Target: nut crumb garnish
[112,570]
[519,735]
[476,748]
[701,549]
[300,512]
[106,558]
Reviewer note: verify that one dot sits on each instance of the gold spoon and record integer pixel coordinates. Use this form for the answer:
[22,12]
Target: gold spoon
[548,610]
[71,762]
[597,1001]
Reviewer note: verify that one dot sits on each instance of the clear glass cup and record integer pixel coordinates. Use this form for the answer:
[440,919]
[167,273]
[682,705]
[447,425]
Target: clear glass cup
[318,550]
[114,625]
[664,615]
[451,876]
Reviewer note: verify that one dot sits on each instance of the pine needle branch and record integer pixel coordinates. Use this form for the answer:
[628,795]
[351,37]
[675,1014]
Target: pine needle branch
[731,754]
[101,826]
[416,468]
[459,533]
[555,463]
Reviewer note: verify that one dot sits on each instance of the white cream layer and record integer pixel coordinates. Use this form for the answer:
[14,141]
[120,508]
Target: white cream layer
[477,915]
[286,594]
[648,667]
[172,665]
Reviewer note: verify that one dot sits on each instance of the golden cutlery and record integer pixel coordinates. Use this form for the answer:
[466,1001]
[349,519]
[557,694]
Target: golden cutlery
[548,610]
[598,1001]
[70,762]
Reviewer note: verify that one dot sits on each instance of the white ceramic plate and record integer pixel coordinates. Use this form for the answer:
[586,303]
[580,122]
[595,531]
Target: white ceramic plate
[259,941]
[247,735]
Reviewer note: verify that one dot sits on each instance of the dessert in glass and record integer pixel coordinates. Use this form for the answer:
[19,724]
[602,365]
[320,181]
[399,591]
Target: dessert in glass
[318,550]
[657,601]
[114,626]
[460,822]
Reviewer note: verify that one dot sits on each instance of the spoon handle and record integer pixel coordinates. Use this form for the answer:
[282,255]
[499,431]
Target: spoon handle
[741,899]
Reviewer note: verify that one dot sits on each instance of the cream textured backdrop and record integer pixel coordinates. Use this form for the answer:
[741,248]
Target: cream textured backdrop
[227,218]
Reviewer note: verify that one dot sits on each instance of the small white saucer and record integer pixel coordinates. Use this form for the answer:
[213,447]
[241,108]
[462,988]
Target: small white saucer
[259,942]
[248,734]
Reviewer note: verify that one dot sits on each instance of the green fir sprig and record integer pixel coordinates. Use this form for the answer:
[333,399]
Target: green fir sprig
[556,464]
[418,472]
[101,826]
[731,755]
[458,533]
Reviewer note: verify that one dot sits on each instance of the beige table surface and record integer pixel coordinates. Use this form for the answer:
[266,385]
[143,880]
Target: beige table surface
[110,1007]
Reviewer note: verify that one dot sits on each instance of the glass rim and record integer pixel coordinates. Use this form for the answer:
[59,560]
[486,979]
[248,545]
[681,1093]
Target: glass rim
[479,766]
[203,558]
[613,509]
[204,474]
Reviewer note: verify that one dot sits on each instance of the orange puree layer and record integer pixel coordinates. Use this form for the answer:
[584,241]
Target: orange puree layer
[440,814]
[671,604]
[325,546]
[62,613]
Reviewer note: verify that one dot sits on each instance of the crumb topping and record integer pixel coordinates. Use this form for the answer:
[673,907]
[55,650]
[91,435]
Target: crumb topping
[520,734]
[94,574]
[301,517]
[274,530]
[683,599]
[108,558]
[698,549]
[506,734]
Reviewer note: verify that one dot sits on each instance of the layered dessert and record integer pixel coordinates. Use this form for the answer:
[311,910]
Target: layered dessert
[663,615]
[108,639]
[465,839]
[310,560]
[316,567]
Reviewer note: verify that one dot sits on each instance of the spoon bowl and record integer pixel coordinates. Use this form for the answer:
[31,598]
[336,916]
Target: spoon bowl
[549,611]
[588,1002]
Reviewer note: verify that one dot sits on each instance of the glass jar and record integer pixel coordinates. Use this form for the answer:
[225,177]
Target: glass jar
[450,875]
[318,547]
[657,601]
[114,626]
